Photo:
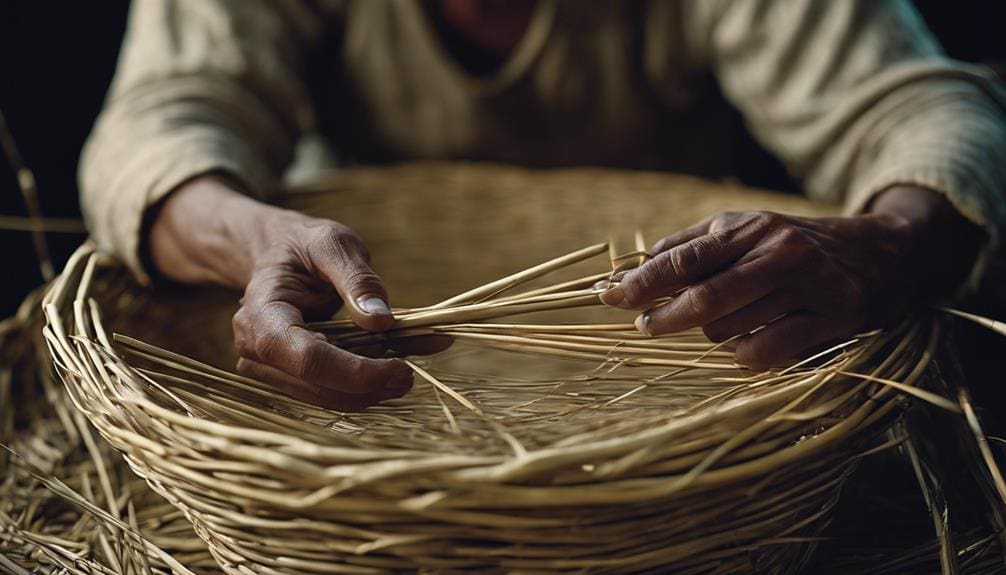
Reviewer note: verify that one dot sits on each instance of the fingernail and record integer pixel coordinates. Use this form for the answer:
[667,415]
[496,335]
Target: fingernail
[615,297]
[643,323]
[373,305]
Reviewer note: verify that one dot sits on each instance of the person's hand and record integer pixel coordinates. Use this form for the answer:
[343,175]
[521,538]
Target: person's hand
[293,268]
[310,267]
[808,281]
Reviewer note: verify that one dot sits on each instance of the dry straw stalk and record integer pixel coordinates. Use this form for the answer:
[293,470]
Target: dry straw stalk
[532,446]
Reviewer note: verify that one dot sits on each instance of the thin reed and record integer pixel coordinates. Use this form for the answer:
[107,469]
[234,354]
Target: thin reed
[69,504]
[551,438]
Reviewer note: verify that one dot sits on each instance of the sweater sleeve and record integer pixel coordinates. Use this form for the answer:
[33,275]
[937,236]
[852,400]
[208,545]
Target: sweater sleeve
[201,86]
[855,96]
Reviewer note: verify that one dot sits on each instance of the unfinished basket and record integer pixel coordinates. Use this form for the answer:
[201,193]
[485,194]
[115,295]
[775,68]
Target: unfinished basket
[561,444]
[657,458]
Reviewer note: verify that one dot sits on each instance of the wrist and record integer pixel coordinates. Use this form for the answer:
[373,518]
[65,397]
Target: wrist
[941,244]
[209,231]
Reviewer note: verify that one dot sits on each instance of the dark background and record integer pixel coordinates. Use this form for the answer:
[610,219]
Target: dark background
[57,58]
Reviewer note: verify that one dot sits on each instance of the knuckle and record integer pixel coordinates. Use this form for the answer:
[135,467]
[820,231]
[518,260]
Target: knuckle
[635,286]
[362,280]
[351,243]
[268,283]
[707,294]
[244,346]
[241,326]
[796,247]
[307,362]
[767,218]
[682,260]
[721,220]
[791,236]
[267,344]
[699,299]
[640,285]
[240,321]
[335,238]
[276,311]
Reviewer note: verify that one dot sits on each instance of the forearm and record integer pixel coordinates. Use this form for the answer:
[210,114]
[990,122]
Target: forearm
[944,244]
[200,86]
[208,232]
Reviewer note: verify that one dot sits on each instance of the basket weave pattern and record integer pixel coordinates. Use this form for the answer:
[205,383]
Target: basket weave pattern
[565,467]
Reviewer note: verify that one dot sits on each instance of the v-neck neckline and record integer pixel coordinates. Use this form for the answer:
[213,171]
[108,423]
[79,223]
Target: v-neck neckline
[516,62]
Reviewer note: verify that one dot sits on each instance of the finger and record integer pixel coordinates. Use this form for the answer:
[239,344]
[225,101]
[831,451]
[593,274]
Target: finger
[314,296]
[786,338]
[681,236]
[273,333]
[342,259]
[711,224]
[685,264]
[717,296]
[313,394]
[752,316]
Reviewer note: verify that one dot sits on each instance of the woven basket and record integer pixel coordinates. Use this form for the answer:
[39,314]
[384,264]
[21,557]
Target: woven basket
[556,472]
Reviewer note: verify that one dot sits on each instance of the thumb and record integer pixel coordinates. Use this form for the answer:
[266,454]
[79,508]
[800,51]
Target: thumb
[344,263]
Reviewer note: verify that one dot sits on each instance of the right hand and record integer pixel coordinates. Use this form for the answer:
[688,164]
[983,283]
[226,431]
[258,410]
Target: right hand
[294,269]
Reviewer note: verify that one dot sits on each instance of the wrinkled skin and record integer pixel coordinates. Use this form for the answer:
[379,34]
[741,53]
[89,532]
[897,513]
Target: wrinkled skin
[818,278]
[293,269]
[808,281]
[307,273]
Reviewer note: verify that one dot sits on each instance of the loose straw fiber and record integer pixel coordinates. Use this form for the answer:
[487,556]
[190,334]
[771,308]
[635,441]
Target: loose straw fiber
[555,442]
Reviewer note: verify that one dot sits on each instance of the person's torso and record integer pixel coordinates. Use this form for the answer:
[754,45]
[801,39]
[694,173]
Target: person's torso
[599,86]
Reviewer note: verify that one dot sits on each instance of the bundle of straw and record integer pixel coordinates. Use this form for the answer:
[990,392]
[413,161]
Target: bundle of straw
[69,504]
[531,446]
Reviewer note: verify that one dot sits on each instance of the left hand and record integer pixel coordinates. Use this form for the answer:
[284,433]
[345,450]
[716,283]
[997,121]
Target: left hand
[806,280]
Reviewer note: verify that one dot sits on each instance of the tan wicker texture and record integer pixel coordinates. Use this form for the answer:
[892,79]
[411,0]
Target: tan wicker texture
[500,461]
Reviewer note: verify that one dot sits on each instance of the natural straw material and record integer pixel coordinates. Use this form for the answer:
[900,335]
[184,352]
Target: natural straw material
[69,504]
[615,453]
